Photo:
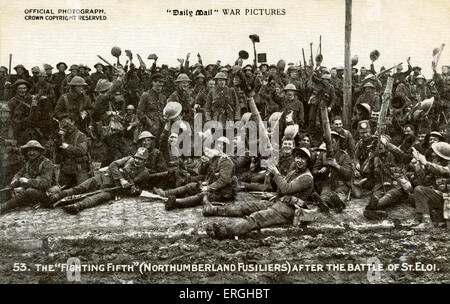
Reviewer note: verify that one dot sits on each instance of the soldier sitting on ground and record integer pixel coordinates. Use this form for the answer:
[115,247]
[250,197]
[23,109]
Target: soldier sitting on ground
[293,190]
[33,181]
[220,182]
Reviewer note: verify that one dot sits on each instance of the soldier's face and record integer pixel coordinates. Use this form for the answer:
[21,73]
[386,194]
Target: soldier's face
[74,72]
[147,143]
[33,154]
[290,95]
[421,137]
[364,134]
[236,81]
[273,71]
[99,68]
[333,72]
[420,82]
[363,71]
[263,68]
[337,125]
[445,70]
[157,85]
[248,73]
[78,89]
[48,71]
[35,74]
[305,142]
[184,85]
[139,162]
[4,116]
[66,125]
[22,90]
[221,83]
[300,162]
[294,75]
[287,146]
[19,71]
[211,84]
[408,131]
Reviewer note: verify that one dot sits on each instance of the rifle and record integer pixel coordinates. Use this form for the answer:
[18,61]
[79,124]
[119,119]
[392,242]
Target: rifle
[70,199]
[6,189]
[381,120]
[311,51]
[385,71]
[106,61]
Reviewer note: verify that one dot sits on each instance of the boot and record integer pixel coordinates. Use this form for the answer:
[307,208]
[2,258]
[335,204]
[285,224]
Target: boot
[72,209]
[208,208]
[190,201]
[8,205]
[190,189]
[170,203]
[385,201]
[426,224]
[60,195]
[373,203]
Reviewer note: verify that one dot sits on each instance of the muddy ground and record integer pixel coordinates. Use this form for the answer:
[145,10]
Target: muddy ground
[134,231]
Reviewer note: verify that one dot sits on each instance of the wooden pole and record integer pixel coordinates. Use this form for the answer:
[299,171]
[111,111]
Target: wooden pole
[347,108]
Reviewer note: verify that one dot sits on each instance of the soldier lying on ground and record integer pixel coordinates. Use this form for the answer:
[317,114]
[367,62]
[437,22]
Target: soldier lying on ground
[128,172]
[32,182]
[293,190]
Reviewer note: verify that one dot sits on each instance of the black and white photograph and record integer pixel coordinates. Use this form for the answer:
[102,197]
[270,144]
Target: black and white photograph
[224,142]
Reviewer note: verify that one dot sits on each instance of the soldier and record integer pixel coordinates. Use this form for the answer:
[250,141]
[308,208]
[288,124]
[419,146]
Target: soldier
[77,103]
[347,143]
[10,160]
[156,161]
[33,181]
[370,97]
[73,153]
[293,191]
[292,108]
[335,173]
[365,140]
[222,104]
[420,90]
[396,187]
[74,71]
[44,90]
[411,79]
[25,114]
[21,73]
[220,182]
[151,105]
[126,173]
[35,78]
[432,203]
[96,76]
[183,97]
[58,78]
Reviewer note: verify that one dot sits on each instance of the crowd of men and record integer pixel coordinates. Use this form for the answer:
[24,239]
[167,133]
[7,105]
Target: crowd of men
[59,128]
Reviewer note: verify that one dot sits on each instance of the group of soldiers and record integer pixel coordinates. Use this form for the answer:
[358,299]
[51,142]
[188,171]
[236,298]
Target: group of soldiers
[59,129]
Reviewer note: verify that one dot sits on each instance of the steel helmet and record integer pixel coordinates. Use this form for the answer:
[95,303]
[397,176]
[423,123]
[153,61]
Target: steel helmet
[35,69]
[32,144]
[365,106]
[368,85]
[73,67]
[442,149]
[182,77]
[102,85]
[19,66]
[145,134]
[290,87]
[47,66]
[172,110]
[130,107]
[200,76]
[98,63]
[21,81]
[322,147]
[142,153]
[61,63]
[78,81]
[434,134]
[116,51]
[421,77]
[221,75]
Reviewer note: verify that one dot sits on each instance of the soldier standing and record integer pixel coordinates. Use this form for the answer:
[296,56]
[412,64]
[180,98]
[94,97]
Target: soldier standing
[370,97]
[74,71]
[151,105]
[58,78]
[183,97]
[77,103]
[222,104]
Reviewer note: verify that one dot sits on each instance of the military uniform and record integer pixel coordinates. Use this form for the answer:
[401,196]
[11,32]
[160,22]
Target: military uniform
[40,175]
[222,183]
[75,162]
[370,98]
[293,191]
[222,105]
[186,100]
[121,169]
[73,104]
[150,111]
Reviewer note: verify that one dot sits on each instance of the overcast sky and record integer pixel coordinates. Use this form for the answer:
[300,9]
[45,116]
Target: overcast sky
[398,29]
